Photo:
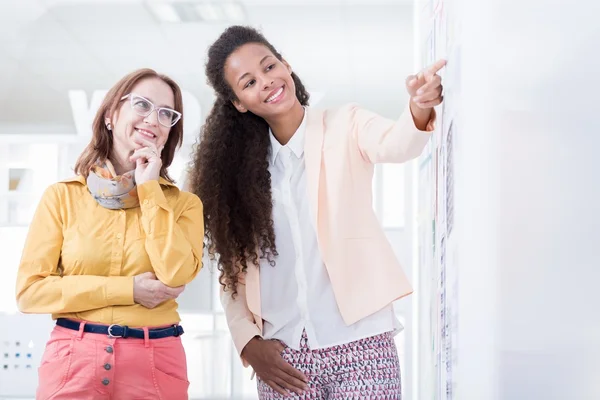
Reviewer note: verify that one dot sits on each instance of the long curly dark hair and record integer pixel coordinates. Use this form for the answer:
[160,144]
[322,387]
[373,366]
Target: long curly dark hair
[230,169]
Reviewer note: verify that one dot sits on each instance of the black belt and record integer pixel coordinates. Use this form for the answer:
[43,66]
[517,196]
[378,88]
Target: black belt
[118,331]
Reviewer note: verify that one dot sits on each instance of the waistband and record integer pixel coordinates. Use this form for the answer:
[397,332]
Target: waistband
[120,331]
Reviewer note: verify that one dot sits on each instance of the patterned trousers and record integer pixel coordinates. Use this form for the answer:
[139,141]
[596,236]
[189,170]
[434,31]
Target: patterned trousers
[366,369]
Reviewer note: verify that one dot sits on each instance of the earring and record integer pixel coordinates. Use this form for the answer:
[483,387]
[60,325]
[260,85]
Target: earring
[109,126]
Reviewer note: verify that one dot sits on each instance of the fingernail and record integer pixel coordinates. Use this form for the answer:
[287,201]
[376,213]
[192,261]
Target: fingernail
[416,99]
[412,82]
[420,91]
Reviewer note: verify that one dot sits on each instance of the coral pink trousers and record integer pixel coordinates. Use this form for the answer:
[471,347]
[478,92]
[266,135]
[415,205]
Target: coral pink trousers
[91,366]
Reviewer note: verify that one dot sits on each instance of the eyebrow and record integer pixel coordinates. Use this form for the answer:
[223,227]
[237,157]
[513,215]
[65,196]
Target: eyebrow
[248,73]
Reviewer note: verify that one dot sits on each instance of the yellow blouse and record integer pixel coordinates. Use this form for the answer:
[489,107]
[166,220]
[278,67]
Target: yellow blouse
[80,258]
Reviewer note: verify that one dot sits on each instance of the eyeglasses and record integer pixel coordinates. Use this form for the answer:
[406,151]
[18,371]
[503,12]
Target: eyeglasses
[144,107]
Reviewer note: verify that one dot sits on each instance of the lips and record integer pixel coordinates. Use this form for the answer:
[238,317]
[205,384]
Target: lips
[145,133]
[275,95]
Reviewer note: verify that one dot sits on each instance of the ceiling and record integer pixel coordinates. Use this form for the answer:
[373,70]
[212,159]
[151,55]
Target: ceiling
[351,50]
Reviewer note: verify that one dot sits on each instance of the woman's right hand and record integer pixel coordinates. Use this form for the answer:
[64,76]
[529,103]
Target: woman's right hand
[149,292]
[265,358]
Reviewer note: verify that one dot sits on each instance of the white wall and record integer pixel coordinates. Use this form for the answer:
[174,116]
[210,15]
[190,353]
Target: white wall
[528,201]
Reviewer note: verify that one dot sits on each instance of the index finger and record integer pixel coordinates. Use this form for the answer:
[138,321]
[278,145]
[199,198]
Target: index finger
[145,142]
[291,371]
[148,275]
[436,66]
[175,291]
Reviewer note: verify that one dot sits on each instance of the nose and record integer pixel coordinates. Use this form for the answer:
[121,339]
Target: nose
[152,118]
[267,82]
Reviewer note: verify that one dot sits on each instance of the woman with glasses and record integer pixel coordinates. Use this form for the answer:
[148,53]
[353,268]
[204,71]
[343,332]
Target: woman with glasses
[110,250]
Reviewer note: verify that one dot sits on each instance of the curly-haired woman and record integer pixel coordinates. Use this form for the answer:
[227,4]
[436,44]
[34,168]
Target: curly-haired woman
[308,275]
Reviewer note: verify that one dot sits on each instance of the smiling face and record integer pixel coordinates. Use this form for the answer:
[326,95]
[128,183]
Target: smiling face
[129,127]
[261,82]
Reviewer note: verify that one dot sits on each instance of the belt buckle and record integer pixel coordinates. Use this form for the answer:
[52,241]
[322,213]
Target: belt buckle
[110,335]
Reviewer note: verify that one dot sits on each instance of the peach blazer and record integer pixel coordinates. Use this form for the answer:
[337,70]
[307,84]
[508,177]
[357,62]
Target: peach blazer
[341,147]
